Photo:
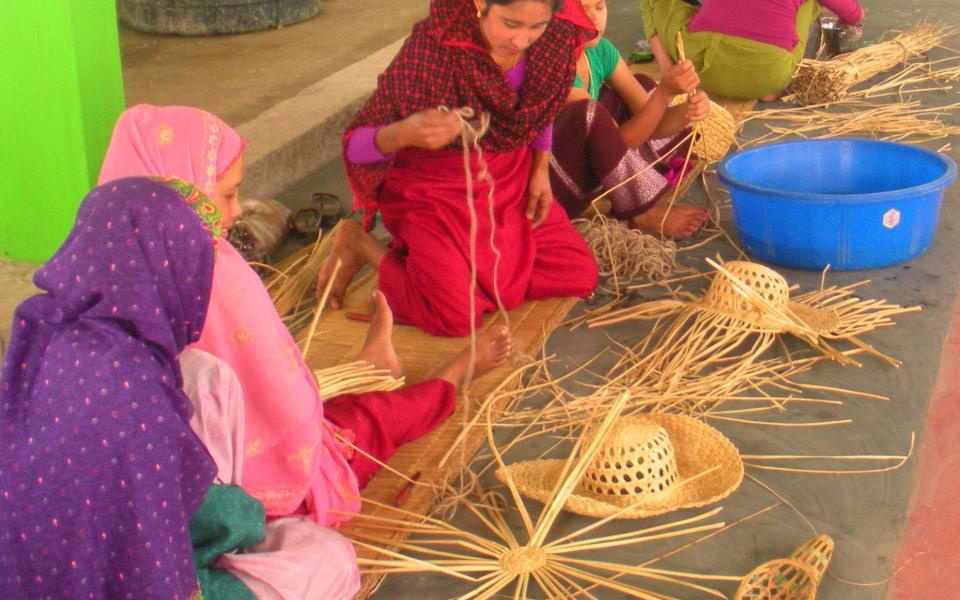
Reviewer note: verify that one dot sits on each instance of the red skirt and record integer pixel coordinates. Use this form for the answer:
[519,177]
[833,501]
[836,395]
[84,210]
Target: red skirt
[426,275]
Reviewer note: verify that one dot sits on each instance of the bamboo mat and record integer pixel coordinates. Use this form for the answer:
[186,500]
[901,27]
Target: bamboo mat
[338,340]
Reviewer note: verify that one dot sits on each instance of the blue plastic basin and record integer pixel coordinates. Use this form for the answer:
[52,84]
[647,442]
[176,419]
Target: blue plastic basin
[848,203]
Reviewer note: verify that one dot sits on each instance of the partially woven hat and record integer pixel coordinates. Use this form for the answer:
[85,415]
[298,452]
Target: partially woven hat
[647,462]
[759,296]
[794,578]
[716,132]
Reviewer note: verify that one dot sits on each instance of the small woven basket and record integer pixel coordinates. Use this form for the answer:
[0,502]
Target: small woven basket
[780,579]
[817,553]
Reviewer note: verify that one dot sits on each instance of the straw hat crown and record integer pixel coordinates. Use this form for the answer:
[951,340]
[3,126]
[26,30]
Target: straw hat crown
[726,296]
[636,459]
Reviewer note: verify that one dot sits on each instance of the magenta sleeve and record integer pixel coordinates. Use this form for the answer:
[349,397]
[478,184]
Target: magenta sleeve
[848,10]
[361,149]
[544,141]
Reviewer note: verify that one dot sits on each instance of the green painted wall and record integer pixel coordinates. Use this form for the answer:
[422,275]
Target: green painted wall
[61,93]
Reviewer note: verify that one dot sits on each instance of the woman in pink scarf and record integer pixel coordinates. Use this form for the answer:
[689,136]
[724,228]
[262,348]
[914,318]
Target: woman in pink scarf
[292,463]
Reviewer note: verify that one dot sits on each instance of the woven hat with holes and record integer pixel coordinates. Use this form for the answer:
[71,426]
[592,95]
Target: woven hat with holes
[651,463]
[745,308]
[793,578]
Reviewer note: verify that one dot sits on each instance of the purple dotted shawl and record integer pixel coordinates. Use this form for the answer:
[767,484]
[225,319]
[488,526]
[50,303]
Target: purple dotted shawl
[99,470]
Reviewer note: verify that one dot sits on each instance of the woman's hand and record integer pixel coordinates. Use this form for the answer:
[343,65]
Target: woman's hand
[681,78]
[539,194]
[430,129]
[698,106]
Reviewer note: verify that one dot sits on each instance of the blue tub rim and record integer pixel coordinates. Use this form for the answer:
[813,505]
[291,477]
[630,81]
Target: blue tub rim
[816,198]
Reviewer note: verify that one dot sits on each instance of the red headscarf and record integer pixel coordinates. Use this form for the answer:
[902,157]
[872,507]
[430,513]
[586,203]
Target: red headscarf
[445,62]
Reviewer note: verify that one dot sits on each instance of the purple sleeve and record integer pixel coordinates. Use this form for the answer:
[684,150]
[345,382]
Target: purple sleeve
[848,10]
[361,149]
[544,141]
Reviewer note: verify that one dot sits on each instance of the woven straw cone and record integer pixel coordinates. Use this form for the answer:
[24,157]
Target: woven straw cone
[816,553]
[780,579]
[717,132]
[724,298]
[652,457]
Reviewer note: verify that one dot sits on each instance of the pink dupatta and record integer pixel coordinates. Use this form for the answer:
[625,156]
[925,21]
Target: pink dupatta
[290,456]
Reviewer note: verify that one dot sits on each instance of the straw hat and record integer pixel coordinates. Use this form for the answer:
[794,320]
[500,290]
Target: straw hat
[794,578]
[745,309]
[648,462]
[759,296]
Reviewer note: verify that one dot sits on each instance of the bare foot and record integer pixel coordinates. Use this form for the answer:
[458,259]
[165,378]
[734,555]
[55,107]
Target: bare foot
[493,350]
[378,348]
[681,221]
[352,261]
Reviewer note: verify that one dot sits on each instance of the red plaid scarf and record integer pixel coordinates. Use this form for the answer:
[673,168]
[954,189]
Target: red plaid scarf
[445,62]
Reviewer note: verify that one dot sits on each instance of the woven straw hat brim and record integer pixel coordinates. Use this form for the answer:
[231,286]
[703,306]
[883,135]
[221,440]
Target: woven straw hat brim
[698,448]
[820,321]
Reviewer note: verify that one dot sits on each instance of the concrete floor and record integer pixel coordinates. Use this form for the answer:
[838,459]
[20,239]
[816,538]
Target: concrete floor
[238,77]
[864,513]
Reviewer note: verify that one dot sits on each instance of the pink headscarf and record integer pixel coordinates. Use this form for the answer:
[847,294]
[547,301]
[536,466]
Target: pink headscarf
[290,455]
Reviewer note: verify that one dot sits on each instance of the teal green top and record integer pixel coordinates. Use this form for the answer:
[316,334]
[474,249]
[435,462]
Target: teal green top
[603,59]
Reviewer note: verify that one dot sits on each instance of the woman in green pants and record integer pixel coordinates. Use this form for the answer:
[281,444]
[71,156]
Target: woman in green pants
[745,49]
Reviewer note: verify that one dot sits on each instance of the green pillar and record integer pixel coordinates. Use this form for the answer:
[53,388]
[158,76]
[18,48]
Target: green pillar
[60,95]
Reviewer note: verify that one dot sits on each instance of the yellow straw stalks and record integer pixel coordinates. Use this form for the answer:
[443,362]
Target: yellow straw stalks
[294,282]
[355,378]
[907,121]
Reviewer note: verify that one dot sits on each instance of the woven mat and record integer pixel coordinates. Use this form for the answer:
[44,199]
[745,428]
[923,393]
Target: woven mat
[339,339]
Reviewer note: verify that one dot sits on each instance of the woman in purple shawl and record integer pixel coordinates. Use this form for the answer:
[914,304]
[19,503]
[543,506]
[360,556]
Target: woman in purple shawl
[99,470]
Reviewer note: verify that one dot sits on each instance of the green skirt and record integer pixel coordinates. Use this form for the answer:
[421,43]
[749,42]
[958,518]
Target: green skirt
[729,66]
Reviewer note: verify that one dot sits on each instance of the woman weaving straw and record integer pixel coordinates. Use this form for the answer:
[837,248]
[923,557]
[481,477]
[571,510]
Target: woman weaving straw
[613,127]
[742,48]
[292,459]
[512,60]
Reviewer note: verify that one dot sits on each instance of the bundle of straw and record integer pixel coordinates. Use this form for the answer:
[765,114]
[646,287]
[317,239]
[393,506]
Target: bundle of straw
[293,284]
[625,254]
[817,81]
[355,378]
